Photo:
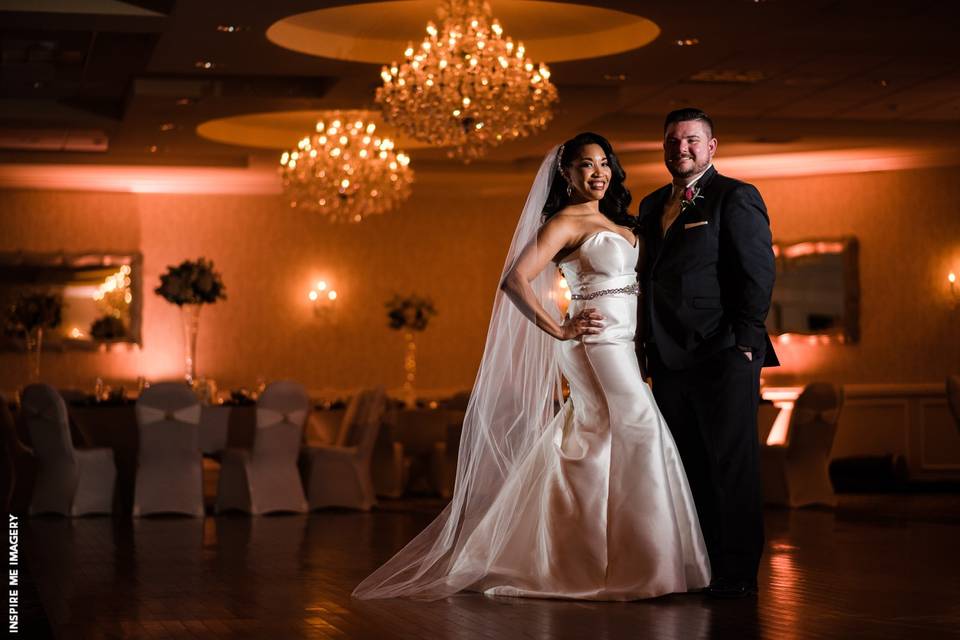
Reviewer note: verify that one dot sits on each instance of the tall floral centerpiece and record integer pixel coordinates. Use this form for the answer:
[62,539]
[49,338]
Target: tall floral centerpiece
[190,285]
[30,314]
[409,314]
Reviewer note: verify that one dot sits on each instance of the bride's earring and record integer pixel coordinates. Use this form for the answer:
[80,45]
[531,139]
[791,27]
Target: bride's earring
[569,190]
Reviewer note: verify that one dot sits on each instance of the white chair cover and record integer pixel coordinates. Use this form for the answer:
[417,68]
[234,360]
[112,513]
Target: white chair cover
[323,427]
[69,481]
[797,473]
[266,479]
[339,476]
[169,464]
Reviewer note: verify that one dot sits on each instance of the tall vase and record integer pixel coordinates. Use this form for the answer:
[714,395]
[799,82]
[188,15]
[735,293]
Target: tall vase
[34,340]
[190,314]
[410,371]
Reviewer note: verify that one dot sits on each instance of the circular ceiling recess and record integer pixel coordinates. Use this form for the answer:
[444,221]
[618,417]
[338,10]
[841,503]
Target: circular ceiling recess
[283,129]
[378,32]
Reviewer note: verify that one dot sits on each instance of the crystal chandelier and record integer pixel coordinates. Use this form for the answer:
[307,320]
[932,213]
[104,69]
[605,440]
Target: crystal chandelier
[345,171]
[468,86]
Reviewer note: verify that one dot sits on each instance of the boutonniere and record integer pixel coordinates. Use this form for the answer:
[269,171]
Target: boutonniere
[689,198]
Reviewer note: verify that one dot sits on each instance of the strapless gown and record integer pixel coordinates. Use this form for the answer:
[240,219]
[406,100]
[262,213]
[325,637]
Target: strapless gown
[601,508]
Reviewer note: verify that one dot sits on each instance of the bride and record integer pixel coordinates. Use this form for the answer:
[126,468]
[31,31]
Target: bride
[586,501]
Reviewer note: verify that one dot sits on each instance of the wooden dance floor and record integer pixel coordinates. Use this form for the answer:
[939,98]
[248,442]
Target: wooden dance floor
[881,567]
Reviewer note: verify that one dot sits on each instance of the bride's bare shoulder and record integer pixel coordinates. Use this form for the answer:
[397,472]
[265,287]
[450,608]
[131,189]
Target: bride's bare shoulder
[564,221]
[562,233]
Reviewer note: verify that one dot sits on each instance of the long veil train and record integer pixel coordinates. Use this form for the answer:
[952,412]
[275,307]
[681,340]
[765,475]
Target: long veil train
[513,399]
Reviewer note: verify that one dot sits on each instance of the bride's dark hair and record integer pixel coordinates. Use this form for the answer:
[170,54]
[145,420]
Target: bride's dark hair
[616,201]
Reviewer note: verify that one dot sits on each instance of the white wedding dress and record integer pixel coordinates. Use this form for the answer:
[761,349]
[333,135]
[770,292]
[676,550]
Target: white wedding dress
[588,502]
[601,508]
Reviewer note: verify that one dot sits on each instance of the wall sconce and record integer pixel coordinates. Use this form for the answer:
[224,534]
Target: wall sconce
[954,293]
[324,300]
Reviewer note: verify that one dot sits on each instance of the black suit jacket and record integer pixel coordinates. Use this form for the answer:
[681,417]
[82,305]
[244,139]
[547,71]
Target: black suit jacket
[707,286]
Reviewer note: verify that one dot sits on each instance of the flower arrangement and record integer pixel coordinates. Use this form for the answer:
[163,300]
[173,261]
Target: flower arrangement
[191,282]
[689,198]
[33,310]
[108,327]
[31,313]
[412,313]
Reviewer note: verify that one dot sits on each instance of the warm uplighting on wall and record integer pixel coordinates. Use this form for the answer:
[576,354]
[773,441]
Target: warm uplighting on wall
[139,179]
[954,293]
[812,163]
[324,299]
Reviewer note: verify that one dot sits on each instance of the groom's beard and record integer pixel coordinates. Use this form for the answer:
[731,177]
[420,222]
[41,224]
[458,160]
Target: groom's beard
[690,170]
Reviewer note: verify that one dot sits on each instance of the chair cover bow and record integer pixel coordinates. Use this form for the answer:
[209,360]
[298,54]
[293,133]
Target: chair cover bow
[45,412]
[189,414]
[805,415]
[271,417]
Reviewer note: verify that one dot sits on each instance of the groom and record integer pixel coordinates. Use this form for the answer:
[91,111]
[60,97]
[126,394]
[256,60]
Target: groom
[707,284]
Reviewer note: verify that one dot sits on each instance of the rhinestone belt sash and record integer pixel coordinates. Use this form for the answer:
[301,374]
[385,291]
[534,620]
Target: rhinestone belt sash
[633,289]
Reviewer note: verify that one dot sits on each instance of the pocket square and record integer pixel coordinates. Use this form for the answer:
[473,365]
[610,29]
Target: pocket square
[691,225]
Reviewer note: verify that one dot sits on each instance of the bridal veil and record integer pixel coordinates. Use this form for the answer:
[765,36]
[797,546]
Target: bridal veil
[514,397]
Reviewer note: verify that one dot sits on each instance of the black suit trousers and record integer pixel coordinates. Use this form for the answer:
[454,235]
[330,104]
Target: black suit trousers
[711,410]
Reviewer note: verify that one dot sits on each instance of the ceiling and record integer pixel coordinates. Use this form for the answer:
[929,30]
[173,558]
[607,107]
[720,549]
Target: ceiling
[128,83]
[377,31]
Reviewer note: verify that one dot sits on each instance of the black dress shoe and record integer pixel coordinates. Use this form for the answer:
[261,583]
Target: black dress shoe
[727,588]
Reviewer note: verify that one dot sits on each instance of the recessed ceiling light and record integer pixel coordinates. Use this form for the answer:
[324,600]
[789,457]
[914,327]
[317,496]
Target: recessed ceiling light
[185,102]
[232,28]
[883,83]
[167,126]
[205,64]
[153,148]
[687,42]
[615,76]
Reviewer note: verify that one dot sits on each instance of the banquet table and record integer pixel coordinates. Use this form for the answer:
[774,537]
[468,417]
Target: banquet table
[429,438]
[423,434]
[767,414]
[115,426]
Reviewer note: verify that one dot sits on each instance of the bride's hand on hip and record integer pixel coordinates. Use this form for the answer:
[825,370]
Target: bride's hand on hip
[586,322]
